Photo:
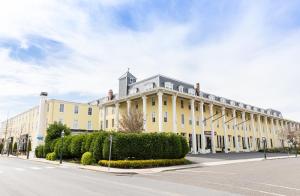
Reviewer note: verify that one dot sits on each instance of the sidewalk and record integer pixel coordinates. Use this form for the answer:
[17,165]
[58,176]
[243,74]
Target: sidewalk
[150,170]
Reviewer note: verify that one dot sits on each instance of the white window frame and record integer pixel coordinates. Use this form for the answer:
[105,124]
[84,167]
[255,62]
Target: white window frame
[169,85]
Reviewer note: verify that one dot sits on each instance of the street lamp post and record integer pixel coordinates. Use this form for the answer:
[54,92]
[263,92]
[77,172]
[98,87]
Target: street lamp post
[27,146]
[62,144]
[264,143]
[9,141]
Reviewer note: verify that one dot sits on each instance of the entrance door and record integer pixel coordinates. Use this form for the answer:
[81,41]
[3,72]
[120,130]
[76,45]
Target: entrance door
[208,143]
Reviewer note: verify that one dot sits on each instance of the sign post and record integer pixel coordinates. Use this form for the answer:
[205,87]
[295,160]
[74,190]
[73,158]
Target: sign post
[110,145]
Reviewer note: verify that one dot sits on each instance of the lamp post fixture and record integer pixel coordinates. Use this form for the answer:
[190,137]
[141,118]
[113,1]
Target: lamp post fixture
[9,142]
[27,146]
[62,144]
[264,143]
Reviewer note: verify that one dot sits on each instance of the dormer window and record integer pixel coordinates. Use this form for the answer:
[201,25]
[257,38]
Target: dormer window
[131,80]
[191,91]
[180,88]
[169,85]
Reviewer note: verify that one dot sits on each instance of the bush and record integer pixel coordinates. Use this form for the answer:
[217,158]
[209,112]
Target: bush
[87,158]
[145,146]
[51,156]
[15,147]
[65,148]
[39,151]
[54,132]
[143,163]
[88,147]
[76,145]
[1,147]
[98,145]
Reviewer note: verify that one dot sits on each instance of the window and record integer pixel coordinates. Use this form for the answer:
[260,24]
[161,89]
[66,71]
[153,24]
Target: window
[113,122]
[165,101]
[196,108]
[182,119]
[166,117]
[197,123]
[89,127]
[90,111]
[136,106]
[75,124]
[153,116]
[61,107]
[190,120]
[76,109]
[180,88]
[204,108]
[182,103]
[106,124]
[101,125]
[153,101]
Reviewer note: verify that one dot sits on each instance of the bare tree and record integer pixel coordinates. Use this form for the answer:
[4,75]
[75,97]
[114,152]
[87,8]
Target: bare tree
[132,122]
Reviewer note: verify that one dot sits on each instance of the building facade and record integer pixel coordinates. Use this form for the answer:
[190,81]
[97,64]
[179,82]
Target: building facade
[210,123]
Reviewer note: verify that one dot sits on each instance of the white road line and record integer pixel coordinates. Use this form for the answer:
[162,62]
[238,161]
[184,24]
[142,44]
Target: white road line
[19,169]
[244,188]
[279,186]
[35,168]
[201,171]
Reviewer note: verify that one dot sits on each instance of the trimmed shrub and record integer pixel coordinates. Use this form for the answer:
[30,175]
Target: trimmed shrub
[76,144]
[88,147]
[39,151]
[1,147]
[65,148]
[145,146]
[15,147]
[143,163]
[87,158]
[51,156]
[97,145]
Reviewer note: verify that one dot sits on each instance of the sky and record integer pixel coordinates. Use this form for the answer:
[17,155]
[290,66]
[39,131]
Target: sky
[248,51]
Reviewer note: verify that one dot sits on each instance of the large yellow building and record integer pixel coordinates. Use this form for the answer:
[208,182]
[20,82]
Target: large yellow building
[210,123]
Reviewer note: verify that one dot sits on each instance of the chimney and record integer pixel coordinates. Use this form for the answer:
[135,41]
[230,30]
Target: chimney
[110,95]
[197,88]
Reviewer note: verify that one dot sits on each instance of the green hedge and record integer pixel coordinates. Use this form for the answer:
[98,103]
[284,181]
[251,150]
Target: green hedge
[98,145]
[143,146]
[143,163]
[66,151]
[76,145]
[40,151]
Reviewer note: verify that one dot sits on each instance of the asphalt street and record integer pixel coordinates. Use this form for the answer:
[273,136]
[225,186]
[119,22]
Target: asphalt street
[28,178]
[270,177]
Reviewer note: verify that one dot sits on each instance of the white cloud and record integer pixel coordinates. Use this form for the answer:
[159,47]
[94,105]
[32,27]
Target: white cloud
[244,62]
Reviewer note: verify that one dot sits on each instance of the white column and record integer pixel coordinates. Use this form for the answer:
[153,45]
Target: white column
[273,133]
[104,117]
[254,132]
[194,141]
[260,130]
[160,127]
[39,136]
[174,112]
[277,132]
[267,132]
[128,107]
[225,129]
[203,142]
[213,148]
[236,140]
[144,112]
[117,105]
[245,132]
